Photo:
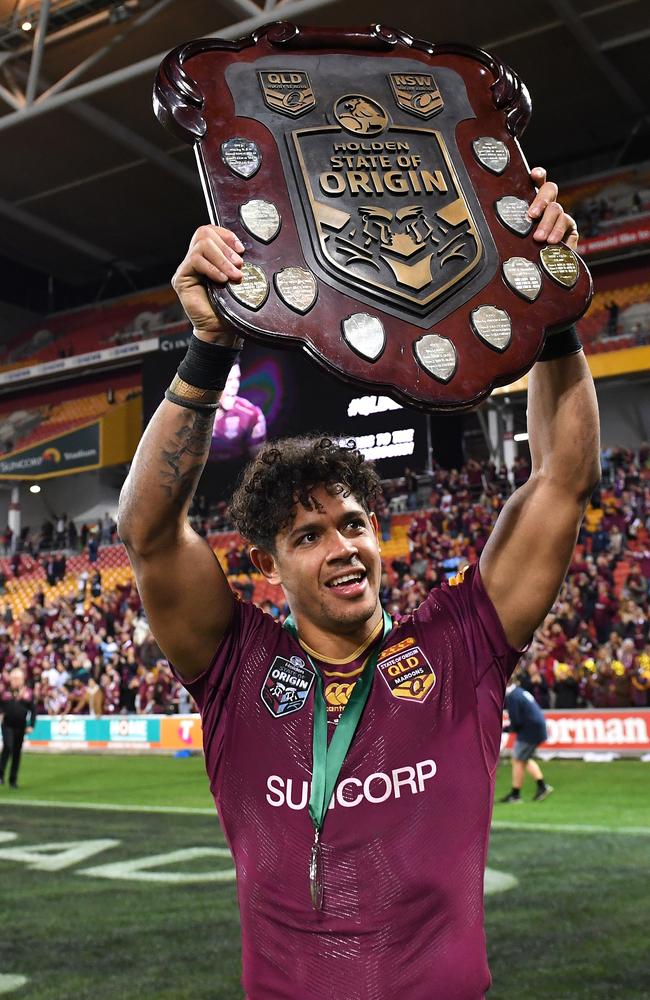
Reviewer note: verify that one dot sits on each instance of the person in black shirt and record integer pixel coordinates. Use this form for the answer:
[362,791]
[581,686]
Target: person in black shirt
[18,717]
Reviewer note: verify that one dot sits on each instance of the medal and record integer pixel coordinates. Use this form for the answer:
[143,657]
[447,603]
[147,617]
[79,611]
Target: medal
[315,873]
[328,760]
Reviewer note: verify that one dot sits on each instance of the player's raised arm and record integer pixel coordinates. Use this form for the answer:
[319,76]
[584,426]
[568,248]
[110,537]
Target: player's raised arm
[185,594]
[527,556]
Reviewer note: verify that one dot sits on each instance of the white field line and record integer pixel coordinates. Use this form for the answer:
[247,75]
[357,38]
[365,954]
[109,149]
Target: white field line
[636,831]
[107,807]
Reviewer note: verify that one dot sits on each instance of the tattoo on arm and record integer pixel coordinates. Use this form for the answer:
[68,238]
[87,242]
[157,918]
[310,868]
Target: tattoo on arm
[185,456]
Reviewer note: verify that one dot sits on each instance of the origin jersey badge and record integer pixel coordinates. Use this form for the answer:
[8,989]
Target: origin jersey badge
[287,685]
[407,672]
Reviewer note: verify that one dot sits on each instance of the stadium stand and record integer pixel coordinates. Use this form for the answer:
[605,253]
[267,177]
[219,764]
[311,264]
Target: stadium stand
[95,327]
[157,312]
[74,621]
[619,316]
[48,421]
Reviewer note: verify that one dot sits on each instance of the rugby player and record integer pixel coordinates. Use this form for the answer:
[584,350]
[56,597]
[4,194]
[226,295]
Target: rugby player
[359,834]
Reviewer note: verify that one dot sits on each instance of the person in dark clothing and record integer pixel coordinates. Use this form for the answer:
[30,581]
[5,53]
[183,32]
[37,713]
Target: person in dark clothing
[18,717]
[527,721]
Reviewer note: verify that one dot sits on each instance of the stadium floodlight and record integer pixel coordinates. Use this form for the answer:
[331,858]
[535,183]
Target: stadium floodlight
[34,488]
[26,25]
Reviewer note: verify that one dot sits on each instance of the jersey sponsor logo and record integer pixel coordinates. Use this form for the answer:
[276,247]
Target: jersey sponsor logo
[408,673]
[338,691]
[287,685]
[374,789]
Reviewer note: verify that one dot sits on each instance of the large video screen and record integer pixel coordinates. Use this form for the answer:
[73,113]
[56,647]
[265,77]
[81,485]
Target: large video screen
[279,393]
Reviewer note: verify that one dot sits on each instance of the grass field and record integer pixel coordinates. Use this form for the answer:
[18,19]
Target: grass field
[574,923]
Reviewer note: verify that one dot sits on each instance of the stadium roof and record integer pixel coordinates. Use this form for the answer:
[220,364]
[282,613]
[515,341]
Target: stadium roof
[96,197]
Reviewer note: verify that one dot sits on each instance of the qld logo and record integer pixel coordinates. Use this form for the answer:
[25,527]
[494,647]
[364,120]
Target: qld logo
[287,685]
[407,672]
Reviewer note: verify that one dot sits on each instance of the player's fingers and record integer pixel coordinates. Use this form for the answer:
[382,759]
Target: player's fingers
[544,197]
[538,175]
[232,240]
[219,253]
[194,266]
[571,237]
[559,230]
[224,238]
[548,221]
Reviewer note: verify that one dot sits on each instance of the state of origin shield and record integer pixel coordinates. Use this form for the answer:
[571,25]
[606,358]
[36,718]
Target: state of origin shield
[379,188]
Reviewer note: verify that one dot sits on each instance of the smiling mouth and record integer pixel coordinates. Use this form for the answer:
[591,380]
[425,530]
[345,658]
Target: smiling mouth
[349,584]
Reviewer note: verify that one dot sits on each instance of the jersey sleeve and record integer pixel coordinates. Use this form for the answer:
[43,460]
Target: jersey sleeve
[465,599]
[485,650]
[247,626]
[213,690]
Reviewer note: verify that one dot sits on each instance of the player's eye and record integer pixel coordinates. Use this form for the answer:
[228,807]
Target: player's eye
[307,538]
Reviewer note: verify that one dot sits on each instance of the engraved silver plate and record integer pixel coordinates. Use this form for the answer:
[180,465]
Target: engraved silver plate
[492,325]
[297,287]
[437,355]
[261,219]
[523,277]
[253,289]
[365,335]
[513,213]
[561,264]
[242,156]
[491,154]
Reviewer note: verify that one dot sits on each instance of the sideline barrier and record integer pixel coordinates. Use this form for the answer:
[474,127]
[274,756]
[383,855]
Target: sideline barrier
[574,733]
[571,733]
[119,733]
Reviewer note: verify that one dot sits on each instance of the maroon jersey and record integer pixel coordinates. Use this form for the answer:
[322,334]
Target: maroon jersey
[406,834]
[237,430]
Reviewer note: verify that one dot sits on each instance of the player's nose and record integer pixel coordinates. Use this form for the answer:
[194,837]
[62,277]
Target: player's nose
[341,548]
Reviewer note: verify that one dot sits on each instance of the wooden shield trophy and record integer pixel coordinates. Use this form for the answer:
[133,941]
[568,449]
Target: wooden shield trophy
[378,185]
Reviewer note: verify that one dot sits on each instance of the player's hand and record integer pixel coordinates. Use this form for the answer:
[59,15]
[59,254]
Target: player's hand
[214,254]
[554,223]
[29,729]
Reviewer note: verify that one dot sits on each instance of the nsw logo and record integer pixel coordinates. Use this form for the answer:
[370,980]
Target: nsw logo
[287,685]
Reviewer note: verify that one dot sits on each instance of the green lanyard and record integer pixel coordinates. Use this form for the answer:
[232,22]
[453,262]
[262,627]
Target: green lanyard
[328,760]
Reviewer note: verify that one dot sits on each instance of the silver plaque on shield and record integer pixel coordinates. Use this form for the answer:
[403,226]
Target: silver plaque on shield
[492,325]
[253,289]
[513,213]
[261,219]
[491,154]
[523,276]
[364,334]
[437,355]
[297,287]
[242,156]
[561,264]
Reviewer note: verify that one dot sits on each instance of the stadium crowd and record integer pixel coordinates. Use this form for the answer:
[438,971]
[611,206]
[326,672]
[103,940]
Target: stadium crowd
[92,651]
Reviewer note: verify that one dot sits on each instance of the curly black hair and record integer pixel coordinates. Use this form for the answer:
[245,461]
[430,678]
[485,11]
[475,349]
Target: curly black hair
[286,472]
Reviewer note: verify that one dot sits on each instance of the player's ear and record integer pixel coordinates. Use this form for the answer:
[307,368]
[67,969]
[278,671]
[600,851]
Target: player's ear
[265,562]
[375,525]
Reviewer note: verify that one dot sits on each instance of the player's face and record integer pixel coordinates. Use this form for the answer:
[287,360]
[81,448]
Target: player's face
[328,563]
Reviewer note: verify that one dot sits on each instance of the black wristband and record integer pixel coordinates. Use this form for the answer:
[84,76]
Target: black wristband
[205,365]
[561,345]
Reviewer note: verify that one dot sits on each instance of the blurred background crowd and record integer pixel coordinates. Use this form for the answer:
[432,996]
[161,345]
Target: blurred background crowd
[85,645]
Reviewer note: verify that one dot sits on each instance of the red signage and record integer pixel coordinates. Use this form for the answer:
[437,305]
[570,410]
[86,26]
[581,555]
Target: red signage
[626,730]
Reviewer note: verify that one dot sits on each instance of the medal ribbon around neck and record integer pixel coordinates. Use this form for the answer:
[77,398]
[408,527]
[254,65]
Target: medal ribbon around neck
[328,760]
